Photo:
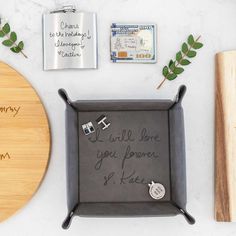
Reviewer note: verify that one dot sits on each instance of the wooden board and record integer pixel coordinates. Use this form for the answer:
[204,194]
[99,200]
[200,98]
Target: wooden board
[225,140]
[24,141]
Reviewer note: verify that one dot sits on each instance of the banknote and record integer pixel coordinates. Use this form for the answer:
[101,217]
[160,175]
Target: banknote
[133,43]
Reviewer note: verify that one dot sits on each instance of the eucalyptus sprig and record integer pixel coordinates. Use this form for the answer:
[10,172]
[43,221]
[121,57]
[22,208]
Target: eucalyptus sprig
[11,38]
[174,67]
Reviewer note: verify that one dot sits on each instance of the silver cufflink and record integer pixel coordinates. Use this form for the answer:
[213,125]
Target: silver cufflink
[88,128]
[103,121]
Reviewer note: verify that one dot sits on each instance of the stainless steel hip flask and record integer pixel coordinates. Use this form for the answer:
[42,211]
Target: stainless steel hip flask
[69,39]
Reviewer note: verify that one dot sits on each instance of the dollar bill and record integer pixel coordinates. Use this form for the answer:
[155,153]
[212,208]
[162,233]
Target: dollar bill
[133,43]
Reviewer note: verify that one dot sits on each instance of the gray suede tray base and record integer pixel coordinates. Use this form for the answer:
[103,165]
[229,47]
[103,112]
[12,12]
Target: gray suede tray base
[108,171]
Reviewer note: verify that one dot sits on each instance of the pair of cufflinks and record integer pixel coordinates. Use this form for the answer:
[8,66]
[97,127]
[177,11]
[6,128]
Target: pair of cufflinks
[89,128]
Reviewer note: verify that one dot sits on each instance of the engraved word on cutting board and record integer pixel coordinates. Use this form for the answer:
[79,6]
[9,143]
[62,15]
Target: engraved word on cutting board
[14,110]
[4,156]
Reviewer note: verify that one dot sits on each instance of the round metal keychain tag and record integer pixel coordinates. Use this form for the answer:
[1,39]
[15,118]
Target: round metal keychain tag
[157,191]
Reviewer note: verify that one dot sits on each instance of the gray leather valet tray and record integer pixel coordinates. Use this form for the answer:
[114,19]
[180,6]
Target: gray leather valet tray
[110,171]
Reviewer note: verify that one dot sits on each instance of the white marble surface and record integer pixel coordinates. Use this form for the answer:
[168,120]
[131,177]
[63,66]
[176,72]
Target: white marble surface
[213,19]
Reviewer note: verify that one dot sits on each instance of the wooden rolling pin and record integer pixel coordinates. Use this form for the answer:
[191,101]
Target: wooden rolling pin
[225,137]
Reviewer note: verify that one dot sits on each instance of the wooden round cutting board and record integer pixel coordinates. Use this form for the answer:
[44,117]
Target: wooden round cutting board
[24,141]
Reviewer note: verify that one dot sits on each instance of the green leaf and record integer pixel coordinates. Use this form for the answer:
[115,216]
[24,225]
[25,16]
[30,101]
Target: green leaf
[6,28]
[197,45]
[21,45]
[13,37]
[172,66]
[178,70]
[7,43]
[191,54]
[16,49]
[191,40]
[165,71]
[178,56]
[184,48]
[2,34]
[171,63]
[171,76]
[184,62]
